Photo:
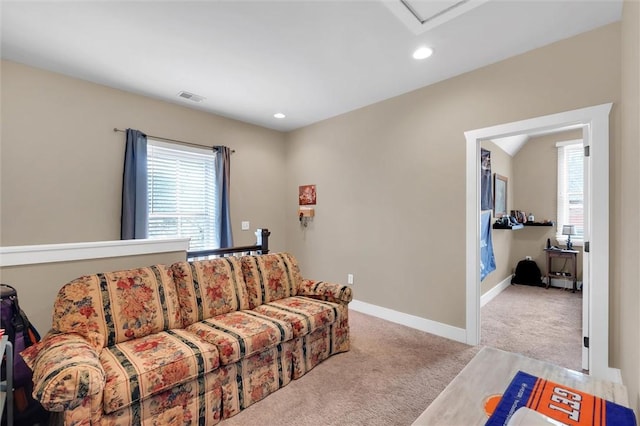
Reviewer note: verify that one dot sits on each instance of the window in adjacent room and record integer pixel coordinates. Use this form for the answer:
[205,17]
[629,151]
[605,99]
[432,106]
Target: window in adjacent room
[182,194]
[570,189]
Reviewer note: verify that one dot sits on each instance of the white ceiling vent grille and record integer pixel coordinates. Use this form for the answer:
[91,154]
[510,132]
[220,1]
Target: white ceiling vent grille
[422,15]
[191,96]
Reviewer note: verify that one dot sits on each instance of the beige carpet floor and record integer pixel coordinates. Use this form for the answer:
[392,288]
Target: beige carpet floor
[390,375]
[393,372]
[536,322]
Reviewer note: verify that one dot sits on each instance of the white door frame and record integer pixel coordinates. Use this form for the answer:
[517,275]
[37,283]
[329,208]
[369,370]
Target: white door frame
[586,256]
[596,121]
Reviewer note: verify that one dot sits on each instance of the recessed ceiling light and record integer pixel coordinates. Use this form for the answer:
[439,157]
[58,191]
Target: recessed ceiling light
[279,115]
[422,53]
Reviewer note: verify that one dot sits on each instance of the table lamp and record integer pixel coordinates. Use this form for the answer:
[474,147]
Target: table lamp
[569,230]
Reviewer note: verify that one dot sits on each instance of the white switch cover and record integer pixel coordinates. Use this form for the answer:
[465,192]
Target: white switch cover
[245,225]
[349,278]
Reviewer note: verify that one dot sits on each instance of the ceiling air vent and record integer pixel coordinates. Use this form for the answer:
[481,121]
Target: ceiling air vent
[191,96]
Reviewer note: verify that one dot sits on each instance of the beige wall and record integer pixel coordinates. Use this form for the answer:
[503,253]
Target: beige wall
[626,204]
[535,191]
[391,176]
[502,164]
[38,284]
[61,162]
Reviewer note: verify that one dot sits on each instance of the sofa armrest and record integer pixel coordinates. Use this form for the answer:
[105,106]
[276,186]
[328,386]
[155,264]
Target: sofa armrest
[66,369]
[331,292]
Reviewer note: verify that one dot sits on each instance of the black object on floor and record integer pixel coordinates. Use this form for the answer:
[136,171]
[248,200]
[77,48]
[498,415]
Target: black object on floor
[528,273]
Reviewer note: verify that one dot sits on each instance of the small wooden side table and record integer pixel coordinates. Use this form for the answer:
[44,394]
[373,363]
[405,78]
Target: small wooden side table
[567,255]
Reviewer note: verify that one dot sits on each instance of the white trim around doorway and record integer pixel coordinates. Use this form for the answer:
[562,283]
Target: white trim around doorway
[594,120]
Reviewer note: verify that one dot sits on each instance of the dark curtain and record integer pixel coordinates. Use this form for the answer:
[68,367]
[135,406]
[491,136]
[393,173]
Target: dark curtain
[134,220]
[486,192]
[223,172]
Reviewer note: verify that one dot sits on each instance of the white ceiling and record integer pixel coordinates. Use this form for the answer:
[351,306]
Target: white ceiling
[511,144]
[308,59]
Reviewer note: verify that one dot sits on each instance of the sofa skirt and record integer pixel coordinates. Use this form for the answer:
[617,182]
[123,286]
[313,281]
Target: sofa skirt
[175,406]
[312,349]
[252,379]
[184,404]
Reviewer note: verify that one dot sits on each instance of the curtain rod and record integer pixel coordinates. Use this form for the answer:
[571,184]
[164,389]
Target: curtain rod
[115,129]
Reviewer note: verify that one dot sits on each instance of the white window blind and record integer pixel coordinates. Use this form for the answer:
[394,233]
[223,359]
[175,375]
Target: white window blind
[182,194]
[570,188]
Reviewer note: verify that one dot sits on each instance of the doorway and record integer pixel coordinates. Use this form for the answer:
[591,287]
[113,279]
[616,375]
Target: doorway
[595,122]
[536,321]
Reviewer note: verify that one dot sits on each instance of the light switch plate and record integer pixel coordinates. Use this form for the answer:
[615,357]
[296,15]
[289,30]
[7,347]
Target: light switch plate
[245,225]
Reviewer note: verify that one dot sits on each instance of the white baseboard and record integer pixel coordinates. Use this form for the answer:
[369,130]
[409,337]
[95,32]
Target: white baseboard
[491,294]
[419,323]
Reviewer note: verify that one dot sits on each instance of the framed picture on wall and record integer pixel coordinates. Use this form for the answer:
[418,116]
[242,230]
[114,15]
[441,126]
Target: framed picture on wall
[500,196]
[486,193]
[307,195]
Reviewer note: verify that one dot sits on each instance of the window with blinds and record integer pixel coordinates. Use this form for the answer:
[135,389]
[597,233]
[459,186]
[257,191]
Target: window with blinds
[182,194]
[570,188]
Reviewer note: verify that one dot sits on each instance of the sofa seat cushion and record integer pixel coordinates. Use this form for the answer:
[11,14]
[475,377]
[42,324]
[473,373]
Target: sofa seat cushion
[137,369]
[304,314]
[238,335]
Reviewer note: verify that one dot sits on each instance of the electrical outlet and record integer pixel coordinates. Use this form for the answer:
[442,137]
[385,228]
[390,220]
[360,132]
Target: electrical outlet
[245,225]
[349,278]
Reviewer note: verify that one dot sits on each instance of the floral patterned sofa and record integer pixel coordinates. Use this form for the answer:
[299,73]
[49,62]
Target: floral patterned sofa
[190,343]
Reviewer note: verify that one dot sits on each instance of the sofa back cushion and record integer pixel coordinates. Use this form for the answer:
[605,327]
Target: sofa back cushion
[270,277]
[113,307]
[207,288]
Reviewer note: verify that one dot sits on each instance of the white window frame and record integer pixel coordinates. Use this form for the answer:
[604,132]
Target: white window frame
[214,241]
[577,240]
